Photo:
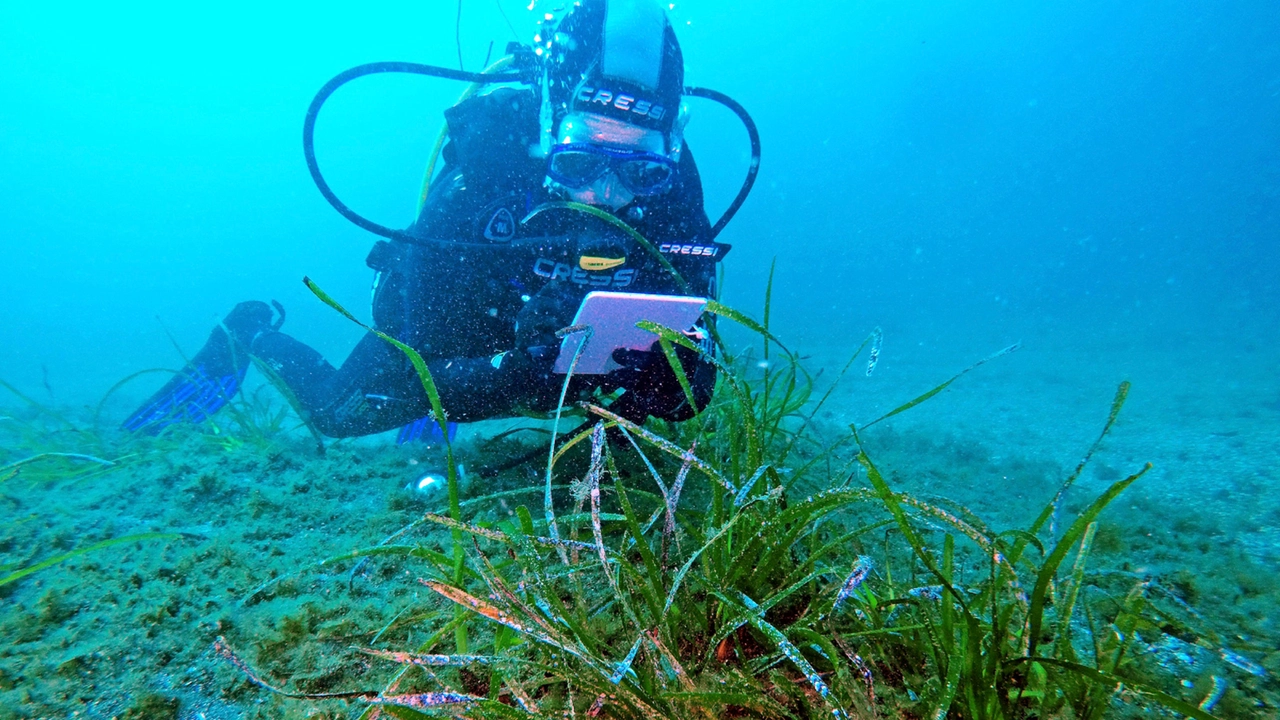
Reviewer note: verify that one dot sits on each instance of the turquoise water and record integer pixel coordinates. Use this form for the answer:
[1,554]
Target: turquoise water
[1100,181]
[929,167]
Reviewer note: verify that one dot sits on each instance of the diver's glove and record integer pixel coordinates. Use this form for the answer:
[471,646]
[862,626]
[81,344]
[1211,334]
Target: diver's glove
[527,369]
[635,362]
[543,315]
[652,387]
[636,368]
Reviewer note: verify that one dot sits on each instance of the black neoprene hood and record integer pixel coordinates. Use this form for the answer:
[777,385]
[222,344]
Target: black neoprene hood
[617,58]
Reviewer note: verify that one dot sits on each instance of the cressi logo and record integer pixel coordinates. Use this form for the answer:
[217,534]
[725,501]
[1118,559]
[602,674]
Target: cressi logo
[619,101]
[591,263]
[678,249]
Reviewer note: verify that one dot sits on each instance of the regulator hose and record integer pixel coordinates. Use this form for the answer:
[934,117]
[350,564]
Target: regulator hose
[309,125]
[752,133]
[527,75]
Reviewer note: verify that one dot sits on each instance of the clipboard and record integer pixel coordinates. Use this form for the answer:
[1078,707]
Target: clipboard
[612,317]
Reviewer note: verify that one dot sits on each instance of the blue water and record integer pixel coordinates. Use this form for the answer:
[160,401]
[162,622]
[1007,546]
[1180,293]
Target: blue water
[967,173]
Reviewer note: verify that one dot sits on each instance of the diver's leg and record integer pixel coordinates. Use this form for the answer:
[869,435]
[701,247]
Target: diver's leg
[211,378]
[376,388]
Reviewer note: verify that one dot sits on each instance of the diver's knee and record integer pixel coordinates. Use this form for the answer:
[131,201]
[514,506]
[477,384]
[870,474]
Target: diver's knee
[331,426]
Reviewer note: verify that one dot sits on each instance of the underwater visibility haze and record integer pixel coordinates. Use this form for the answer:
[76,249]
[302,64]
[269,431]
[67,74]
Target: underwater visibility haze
[1095,183]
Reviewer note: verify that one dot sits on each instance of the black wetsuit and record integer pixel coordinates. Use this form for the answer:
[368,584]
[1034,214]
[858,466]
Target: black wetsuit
[474,282]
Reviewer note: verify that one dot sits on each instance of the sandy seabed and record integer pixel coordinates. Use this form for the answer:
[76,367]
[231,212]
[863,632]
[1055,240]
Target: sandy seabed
[127,631]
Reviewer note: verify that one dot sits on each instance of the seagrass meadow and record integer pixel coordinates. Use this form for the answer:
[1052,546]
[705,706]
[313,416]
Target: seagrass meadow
[790,553]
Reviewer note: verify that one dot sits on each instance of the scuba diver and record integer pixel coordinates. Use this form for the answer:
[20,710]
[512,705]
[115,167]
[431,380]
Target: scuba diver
[503,250]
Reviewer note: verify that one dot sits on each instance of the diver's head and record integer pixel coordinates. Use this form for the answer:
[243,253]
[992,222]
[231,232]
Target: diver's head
[611,111]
